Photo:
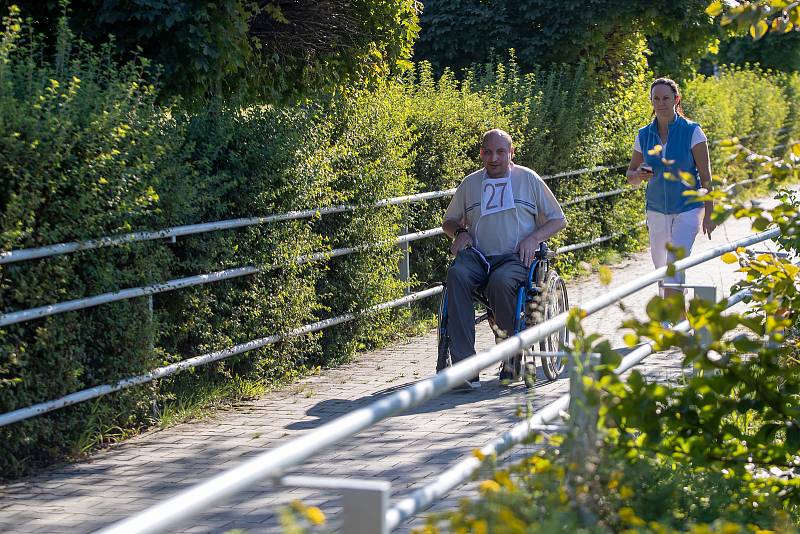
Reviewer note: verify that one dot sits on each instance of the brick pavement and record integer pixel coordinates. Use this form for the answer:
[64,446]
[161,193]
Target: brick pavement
[408,450]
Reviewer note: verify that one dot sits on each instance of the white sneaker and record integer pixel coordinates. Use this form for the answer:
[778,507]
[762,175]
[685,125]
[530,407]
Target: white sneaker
[474,383]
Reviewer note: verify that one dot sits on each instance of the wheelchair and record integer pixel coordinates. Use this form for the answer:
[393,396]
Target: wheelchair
[541,297]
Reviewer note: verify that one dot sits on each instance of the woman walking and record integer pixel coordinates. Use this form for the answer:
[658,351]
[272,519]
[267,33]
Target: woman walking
[671,155]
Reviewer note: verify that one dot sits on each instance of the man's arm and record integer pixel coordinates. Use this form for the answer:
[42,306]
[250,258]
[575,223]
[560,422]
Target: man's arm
[460,241]
[450,226]
[554,221]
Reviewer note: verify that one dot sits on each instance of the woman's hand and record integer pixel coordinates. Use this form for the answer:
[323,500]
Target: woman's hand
[639,175]
[644,172]
[708,224]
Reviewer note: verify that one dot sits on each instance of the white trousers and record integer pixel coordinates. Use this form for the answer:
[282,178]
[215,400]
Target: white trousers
[678,230]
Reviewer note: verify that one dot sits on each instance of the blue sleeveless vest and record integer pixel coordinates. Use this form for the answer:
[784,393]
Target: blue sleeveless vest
[666,195]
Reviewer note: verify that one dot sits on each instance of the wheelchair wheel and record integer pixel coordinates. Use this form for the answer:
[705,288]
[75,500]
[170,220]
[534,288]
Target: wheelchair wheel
[555,301]
[443,360]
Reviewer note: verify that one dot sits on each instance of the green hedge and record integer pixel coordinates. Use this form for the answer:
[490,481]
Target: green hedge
[85,151]
[741,102]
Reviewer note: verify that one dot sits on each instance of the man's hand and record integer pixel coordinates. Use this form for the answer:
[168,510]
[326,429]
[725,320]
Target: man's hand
[527,248]
[708,224]
[462,241]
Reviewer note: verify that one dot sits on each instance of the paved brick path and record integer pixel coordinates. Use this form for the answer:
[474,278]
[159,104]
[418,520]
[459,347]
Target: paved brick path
[407,450]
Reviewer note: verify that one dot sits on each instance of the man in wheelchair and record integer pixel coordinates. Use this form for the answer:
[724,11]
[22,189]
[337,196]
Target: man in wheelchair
[497,218]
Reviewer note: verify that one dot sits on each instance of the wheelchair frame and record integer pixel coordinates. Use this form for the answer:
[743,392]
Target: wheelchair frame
[542,296]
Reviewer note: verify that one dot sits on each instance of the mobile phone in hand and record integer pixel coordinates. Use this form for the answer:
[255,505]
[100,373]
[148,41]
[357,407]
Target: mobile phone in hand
[646,168]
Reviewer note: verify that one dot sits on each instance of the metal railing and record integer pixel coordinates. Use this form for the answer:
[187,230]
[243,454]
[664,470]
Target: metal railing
[78,304]
[161,372]
[190,281]
[20,316]
[201,228]
[273,463]
[460,473]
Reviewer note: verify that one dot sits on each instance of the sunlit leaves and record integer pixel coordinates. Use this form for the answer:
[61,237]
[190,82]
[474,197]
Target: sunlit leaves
[757,17]
[605,275]
[714,8]
[574,318]
[759,29]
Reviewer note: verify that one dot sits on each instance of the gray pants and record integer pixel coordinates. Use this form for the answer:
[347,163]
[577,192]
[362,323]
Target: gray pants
[468,273]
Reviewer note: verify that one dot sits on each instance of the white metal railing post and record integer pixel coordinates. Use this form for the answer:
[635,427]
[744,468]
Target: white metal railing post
[364,502]
[364,509]
[582,444]
[151,349]
[405,265]
[582,413]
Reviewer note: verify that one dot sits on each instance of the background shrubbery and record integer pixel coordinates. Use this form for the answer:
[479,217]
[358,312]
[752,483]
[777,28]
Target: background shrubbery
[86,150]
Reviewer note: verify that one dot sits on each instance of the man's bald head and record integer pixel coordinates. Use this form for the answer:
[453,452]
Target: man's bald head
[497,133]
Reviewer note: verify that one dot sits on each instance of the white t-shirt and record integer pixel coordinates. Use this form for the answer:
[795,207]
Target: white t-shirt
[482,204]
[697,137]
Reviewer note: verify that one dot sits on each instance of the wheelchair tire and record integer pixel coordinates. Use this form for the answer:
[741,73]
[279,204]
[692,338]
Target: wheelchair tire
[556,301]
[443,360]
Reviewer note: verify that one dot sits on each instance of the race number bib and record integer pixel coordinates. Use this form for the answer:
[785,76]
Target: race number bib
[497,195]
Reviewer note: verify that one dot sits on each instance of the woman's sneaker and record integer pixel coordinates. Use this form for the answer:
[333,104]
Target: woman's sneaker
[472,383]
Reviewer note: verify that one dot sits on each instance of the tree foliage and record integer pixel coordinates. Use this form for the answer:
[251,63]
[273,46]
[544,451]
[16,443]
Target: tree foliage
[460,33]
[263,49]
[758,17]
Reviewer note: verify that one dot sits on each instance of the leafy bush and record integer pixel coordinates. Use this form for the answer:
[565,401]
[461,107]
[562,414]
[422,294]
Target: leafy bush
[84,152]
[742,102]
[370,158]
[459,34]
[642,496]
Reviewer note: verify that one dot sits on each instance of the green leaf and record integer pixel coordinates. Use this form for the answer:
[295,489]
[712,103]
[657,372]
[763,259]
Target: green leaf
[745,344]
[761,224]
